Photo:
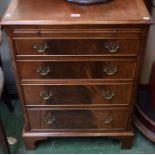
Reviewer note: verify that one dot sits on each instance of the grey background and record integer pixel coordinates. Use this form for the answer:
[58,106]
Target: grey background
[5,54]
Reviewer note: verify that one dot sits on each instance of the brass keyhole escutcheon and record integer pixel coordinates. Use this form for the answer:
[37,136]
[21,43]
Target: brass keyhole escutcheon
[110,70]
[40,47]
[112,47]
[49,120]
[43,70]
[108,95]
[108,119]
[46,95]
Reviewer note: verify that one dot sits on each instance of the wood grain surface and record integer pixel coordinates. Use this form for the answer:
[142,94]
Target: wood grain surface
[77,67]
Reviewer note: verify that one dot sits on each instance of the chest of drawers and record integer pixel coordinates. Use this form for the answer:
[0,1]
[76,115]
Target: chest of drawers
[77,75]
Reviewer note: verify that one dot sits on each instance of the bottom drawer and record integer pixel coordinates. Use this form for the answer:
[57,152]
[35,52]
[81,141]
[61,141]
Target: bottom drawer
[103,118]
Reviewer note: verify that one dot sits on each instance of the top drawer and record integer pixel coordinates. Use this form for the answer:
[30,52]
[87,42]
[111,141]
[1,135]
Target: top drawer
[105,47]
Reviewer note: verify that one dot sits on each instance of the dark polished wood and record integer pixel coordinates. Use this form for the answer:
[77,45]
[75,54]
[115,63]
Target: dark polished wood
[30,142]
[108,119]
[145,125]
[126,142]
[125,137]
[144,118]
[74,95]
[77,69]
[123,47]
[78,63]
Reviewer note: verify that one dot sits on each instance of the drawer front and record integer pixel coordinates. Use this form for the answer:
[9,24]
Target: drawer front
[103,119]
[75,95]
[77,69]
[116,47]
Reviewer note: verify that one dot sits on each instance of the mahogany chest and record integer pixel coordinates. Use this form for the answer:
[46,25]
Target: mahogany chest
[77,67]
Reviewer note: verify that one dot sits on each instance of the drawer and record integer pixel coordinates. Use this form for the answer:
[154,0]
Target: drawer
[77,69]
[101,119]
[105,47]
[74,95]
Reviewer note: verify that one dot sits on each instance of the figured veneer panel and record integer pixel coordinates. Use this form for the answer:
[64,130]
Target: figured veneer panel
[74,95]
[77,69]
[112,47]
[93,119]
[74,61]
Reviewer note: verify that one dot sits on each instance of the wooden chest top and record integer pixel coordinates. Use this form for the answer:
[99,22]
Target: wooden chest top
[60,12]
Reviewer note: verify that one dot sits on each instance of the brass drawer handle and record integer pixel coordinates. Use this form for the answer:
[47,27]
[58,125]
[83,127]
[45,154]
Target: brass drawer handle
[43,70]
[40,47]
[110,70]
[46,95]
[108,119]
[108,95]
[112,47]
[49,120]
